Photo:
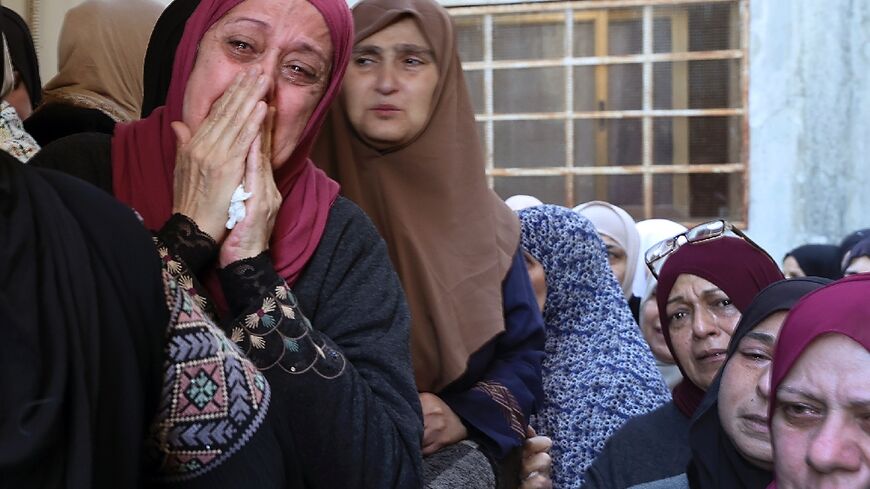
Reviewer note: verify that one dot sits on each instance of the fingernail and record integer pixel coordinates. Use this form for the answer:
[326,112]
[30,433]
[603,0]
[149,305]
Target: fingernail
[261,79]
[252,71]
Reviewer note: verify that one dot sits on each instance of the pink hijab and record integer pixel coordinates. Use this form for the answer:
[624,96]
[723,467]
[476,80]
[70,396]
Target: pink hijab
[839,308]
[143,152]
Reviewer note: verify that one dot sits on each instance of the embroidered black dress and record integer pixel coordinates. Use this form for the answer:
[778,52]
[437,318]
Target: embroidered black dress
[344,409]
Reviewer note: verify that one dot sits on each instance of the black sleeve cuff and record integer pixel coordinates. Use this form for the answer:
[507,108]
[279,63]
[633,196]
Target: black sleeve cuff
[186,241]
[244,282]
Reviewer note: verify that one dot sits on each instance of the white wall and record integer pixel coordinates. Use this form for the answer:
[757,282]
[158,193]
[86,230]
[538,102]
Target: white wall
[809,116]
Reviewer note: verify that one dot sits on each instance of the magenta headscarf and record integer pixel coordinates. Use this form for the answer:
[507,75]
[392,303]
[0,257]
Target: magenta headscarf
[839,308]
[732,264]
[143,152]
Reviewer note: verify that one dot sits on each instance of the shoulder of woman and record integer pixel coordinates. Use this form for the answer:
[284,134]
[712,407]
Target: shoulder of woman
[87,156]
[349,229]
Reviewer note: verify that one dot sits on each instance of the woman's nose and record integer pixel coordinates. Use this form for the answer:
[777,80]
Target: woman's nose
[386,82]
[834,447]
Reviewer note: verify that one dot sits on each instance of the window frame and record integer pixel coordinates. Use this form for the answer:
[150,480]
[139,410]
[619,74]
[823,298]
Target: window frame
[598,11]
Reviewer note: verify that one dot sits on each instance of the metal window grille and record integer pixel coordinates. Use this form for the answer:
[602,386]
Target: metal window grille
[638,102]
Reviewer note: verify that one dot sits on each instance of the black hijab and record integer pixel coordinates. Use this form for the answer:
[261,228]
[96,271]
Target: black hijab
[160,55]
[81,361]
[23,53]
[715,462]
[851,240]
[861,248]
[818,260]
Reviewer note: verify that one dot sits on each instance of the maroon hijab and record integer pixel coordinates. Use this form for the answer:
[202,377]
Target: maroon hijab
[839,308]
[732,264]
[143,152]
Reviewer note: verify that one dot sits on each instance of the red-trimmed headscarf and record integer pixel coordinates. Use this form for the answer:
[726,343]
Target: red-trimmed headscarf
[732,264]
[143,152]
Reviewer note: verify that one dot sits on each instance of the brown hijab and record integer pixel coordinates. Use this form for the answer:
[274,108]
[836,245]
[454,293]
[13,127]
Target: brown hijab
[450,237]
[101,54]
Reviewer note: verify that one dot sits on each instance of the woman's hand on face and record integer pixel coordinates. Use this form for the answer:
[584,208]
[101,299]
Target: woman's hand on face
[441,426]
[211,162]
[251,235]
[537,463]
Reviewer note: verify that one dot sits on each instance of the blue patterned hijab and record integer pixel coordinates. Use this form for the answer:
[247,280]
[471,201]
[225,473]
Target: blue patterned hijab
[598,370]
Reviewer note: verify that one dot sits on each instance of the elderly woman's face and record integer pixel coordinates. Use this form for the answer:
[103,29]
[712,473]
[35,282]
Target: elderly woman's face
[288,41]
[702,320]
[744,392]
[390,83]
[821,424]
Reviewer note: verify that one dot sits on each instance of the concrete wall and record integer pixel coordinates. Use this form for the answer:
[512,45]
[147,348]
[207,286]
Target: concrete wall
[809,115]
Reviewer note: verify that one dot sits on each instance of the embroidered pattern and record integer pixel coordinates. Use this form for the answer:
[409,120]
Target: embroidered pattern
[13,138]
[508,404]
[277,333]
[213,399]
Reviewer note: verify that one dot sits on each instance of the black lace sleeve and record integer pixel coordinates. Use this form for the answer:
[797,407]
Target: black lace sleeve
[270,326]
[187,242]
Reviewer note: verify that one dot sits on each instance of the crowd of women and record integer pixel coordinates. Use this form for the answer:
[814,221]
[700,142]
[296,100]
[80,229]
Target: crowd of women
[250,243]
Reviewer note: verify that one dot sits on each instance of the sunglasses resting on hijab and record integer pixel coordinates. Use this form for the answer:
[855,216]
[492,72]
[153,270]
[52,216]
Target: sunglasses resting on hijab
[703,288]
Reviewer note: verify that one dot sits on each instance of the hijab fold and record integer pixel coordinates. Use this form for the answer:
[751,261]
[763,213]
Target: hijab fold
[81,367]
[598,370]
[143,152]
[22,52]
[716,462]
[100,56]
[738,268]
[450,238]
[818,260]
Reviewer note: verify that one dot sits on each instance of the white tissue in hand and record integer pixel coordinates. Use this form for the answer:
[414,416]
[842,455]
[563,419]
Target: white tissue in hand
[236,211]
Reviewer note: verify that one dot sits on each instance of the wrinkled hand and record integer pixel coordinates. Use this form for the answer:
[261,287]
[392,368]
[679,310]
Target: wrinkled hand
[251,235]
[537,464]
[210,164]
[441,426]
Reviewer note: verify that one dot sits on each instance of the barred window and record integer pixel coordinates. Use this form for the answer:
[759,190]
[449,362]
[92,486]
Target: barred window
[641,103]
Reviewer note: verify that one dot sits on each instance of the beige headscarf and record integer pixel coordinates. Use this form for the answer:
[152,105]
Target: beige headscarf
[101,54]
[614,222]
[450,237]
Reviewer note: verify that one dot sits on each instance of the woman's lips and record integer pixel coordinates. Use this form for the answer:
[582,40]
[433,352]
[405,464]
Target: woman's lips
[715,355]
[385,110]
[756,422]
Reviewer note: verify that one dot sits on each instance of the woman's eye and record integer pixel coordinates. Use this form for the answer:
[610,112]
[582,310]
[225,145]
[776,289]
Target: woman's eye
[300,73]
[363,61]
[239,45]
[413,61]
[678,316]
[799,412]
[756,355]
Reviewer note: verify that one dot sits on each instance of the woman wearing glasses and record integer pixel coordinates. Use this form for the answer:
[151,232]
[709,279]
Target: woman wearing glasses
[707,278]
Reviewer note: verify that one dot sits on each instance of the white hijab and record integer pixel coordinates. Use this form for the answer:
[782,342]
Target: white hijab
[651,232]
[614,222]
